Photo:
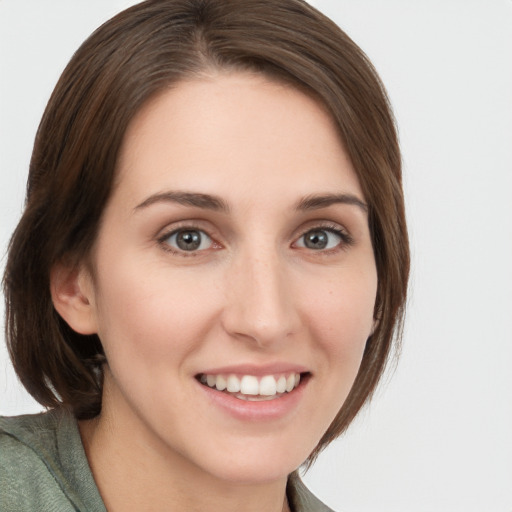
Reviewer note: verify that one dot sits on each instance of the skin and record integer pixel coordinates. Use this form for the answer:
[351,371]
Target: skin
[253,294]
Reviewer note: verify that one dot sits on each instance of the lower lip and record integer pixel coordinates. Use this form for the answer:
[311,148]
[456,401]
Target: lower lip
[264,410]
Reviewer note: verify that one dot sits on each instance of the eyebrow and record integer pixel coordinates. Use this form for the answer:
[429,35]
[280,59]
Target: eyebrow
[204,201]
[215,203]
[316,202]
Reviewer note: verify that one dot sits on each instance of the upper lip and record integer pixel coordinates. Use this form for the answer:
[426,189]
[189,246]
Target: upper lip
[256,370]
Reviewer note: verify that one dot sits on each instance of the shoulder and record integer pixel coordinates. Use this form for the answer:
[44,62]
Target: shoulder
[32,430]
[301,498]
[32,474]
[23,475]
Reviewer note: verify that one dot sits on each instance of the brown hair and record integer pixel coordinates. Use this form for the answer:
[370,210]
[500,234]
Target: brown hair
[129,59]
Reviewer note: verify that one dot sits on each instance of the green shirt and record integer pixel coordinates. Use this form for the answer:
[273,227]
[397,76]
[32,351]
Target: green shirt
[43,467]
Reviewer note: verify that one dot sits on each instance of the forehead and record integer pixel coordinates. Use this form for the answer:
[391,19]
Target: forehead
[232,133]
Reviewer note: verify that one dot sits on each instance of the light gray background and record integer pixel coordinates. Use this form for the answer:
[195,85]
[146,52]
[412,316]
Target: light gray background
[438,435]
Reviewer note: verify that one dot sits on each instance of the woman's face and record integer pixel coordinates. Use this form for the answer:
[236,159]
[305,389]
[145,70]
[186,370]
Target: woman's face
[234,251]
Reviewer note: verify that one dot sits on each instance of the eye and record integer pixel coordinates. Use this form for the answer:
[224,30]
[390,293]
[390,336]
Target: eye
[188,240]
[320,239]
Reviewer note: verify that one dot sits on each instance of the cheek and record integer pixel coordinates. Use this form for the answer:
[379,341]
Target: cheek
[339,317]
[340,313]
[148,310]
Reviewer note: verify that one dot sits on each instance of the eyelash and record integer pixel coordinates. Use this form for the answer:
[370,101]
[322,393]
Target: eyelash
[162,240]
[346,240]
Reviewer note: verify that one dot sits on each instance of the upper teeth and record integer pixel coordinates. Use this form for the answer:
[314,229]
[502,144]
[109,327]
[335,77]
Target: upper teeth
[267,385]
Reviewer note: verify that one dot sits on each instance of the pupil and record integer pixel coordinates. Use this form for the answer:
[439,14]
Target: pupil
[316,240]
[188,240]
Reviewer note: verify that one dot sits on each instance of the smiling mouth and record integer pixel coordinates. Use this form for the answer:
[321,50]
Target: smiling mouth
[252,388]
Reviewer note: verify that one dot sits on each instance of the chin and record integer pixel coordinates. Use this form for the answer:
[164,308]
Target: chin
[255,472]
[256,462]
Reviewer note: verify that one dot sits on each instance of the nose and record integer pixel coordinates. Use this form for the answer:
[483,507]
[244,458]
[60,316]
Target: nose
[260,305]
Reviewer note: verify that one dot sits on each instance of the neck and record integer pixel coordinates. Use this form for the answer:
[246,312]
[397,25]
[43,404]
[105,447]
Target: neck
[134,474]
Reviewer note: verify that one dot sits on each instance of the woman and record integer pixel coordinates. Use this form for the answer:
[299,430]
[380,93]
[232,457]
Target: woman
[212,263]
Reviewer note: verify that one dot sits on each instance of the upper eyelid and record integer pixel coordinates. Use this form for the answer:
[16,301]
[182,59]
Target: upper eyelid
[346,237]
[322,224]
[165,233]
[173,232]
[191,224]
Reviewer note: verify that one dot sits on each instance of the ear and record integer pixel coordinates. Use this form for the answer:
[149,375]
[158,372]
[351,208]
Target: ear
[72,293]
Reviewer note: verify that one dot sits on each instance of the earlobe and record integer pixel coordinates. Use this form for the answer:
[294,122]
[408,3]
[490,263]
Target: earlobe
[72,295]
